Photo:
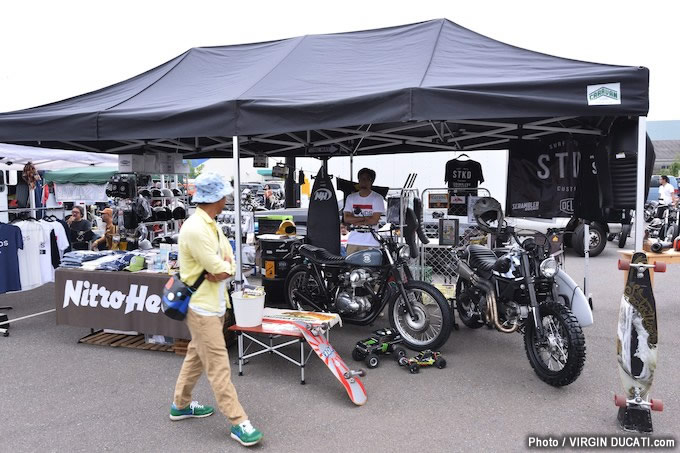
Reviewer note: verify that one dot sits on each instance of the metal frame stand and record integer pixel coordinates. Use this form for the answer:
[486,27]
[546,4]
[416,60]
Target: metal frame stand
[272,348]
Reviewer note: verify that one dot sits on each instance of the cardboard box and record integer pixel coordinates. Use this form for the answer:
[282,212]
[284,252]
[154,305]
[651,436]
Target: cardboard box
[130,163]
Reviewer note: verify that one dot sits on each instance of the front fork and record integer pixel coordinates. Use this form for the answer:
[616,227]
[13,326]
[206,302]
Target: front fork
[529,280]
[402,290]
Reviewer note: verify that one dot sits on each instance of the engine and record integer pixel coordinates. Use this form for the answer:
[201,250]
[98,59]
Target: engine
[355,296]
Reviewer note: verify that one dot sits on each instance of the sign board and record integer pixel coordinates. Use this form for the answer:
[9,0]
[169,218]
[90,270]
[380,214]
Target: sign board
[261,161]
[437,200]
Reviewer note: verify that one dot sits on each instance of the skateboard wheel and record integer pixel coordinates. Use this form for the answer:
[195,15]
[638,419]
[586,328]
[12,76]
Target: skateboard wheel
[624,265]
[361,373]
[657,405]
[619,400]
[659,266]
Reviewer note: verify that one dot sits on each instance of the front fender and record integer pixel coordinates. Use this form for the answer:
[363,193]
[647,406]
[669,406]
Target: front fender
[576,300]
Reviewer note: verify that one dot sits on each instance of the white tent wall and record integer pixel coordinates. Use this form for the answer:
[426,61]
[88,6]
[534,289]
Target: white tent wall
[391,170]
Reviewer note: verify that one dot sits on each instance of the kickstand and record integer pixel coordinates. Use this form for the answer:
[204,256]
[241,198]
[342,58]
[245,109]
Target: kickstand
[452,303]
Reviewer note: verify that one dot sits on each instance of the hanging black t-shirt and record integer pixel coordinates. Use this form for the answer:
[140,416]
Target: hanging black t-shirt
[10,242]
[463,174]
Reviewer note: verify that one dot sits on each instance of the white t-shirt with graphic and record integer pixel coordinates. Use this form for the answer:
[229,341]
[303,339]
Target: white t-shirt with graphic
[29,257]
[46,268]
[369,205]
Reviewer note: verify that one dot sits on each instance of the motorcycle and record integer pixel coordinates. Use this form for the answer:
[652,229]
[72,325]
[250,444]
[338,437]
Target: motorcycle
[650,210]
[515,289]
[361,285]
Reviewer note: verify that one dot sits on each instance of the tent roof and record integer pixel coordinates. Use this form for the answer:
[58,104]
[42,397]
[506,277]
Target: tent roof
[430,75]
[14,157]
[82,175]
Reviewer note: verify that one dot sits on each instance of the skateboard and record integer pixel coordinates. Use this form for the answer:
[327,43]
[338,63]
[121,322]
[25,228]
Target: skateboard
[636,345]
[315,335]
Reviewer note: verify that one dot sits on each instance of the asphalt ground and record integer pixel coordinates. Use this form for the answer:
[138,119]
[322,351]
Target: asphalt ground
[58,395]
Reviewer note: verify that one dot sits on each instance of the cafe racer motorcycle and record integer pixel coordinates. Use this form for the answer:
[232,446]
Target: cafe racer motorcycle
[361,285]
[515,289]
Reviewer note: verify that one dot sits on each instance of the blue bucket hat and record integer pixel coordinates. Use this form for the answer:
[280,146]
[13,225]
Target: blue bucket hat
[210,187]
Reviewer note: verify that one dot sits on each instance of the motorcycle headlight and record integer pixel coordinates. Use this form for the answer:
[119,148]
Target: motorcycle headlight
[405,252]
[548,267]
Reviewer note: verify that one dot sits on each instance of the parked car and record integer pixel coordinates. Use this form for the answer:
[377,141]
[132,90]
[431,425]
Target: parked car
[655,182]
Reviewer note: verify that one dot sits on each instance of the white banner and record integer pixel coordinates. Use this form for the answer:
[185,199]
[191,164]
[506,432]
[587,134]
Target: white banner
[84,192]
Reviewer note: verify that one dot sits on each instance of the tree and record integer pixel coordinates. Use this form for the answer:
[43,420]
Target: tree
[674,169]
[195,171]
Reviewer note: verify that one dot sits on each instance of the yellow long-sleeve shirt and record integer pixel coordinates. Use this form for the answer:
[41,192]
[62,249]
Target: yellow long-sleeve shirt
[202,246]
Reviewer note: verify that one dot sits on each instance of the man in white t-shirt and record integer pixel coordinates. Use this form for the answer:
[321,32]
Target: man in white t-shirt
[371,205]
[666,196]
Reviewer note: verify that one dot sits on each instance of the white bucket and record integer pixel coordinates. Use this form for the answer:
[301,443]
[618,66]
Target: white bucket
[247,311]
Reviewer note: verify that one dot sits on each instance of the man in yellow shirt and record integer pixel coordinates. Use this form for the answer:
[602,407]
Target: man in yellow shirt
[202,246]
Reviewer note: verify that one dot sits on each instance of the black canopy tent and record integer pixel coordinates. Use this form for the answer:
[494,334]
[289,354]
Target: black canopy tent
[421,87]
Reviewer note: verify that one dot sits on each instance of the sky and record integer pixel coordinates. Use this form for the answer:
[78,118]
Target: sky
[54,50]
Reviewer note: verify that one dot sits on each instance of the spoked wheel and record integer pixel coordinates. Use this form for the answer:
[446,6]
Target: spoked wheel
[467,309]
[557,358]
[299,280]
[431,326]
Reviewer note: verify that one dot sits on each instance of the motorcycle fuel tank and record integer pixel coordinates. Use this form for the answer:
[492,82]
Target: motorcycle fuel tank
[370,257]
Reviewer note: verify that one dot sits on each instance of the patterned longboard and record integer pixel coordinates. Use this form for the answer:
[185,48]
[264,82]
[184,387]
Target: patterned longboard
[314,334]
[637,337]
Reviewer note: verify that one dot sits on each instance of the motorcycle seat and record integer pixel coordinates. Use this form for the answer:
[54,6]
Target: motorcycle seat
[320,255]
[482,258]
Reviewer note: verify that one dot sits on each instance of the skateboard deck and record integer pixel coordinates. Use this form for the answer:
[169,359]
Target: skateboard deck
[636,346]
[314,335]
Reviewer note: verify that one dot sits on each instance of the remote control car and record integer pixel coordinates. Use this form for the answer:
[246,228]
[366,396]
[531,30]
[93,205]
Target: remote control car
[424,358]
[383,341]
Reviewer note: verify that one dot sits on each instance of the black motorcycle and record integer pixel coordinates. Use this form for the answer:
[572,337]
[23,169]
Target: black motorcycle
[513,289]
[361,285]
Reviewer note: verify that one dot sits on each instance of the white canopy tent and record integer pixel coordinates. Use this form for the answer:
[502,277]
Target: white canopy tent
[14,157]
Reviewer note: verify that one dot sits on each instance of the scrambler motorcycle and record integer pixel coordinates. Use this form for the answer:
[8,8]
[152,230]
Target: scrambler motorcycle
[358,287]
[520,288]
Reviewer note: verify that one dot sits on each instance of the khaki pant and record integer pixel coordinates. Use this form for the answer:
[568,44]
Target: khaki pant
[207,351]
[351,248]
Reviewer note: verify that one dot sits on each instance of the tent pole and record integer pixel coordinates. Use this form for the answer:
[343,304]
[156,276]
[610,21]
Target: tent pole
[586,257]
[237,212]
[641,175]
[351,166]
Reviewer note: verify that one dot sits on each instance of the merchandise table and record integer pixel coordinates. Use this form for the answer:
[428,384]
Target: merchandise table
[128,301]
[276,330]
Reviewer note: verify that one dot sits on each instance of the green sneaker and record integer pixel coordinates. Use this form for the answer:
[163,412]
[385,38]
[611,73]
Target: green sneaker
[193,410]
[246,433]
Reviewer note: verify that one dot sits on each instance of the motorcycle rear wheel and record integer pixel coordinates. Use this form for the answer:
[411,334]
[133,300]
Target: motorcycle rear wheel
[465,306]
[433,326]
[564,345]
[295,280]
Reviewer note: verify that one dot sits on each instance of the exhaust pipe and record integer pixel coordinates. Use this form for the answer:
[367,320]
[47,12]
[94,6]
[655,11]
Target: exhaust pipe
[466,273]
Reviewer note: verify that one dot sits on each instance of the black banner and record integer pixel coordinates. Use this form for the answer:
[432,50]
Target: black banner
[542,178]
[114,300]
[323,217]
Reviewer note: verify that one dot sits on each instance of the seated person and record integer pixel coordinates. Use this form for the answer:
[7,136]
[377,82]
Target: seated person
[81,229]
[105,242]
[363,208]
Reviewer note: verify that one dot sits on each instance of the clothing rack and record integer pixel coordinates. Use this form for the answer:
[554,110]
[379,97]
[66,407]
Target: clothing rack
[4,330]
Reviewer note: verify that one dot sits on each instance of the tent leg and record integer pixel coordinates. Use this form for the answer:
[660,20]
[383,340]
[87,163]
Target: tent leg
[351,166]
[641,175]
[586,256]
[238,278]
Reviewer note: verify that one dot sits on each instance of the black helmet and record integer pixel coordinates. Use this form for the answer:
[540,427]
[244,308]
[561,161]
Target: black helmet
[179,213]
[488,210]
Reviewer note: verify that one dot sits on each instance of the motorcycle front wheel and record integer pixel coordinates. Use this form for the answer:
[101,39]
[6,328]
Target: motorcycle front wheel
[432,325]
[558,358]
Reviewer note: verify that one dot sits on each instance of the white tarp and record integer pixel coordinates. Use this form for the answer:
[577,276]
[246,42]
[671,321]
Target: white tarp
[14,157]
[89,193]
